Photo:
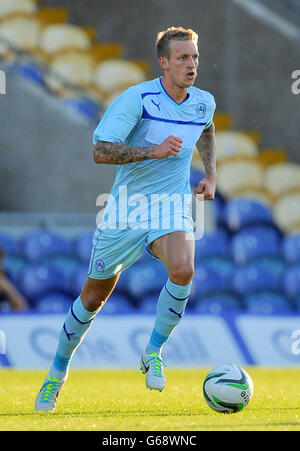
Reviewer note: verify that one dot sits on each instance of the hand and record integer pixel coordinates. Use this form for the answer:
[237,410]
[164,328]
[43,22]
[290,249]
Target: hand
[207,187]
[170,146]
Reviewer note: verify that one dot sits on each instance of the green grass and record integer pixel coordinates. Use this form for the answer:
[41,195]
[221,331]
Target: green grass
[118,401]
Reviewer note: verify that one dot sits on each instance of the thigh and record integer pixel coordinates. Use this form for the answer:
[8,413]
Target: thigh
[175,249]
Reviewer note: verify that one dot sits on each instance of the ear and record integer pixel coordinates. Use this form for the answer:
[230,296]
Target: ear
[163,62]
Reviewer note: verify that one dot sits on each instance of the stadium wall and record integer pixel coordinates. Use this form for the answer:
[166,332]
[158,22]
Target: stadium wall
[117,341]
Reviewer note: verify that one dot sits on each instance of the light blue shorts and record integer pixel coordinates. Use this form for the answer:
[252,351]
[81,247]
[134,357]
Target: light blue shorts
[116,249]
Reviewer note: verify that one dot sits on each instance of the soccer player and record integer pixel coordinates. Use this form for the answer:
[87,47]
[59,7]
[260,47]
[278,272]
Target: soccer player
[150,132]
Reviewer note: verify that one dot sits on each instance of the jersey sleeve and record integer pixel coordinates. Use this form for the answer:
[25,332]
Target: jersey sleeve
[120,118]
[212,108]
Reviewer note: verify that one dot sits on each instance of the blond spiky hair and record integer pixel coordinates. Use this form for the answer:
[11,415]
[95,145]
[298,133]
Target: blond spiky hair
[173,34]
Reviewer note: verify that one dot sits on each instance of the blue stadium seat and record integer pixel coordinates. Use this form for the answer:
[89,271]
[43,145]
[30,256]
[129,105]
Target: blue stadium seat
[54,303]
[251,278]
[82,246]
[291,281]
[219,209]
[76,279]
[118,304]
[64,263]
[40,244]
[9,244]
[266,303]
[246,212]
[147,305]
[145,278]
[255,242]
[86,108]
[291,248]
[224,266]
[220,303]
[296,304]
[13,265]
[38,279]
[210,245]
[195,176]
[29,70]
[206,280]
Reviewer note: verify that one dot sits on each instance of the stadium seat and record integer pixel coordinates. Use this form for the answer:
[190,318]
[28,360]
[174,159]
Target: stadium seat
[76,279]
[234,176]
[28,70]
[286,213]
[255,242]
[240,213]
[82,246]
[221,303]
[38,279]
[106,50]
[52,15]
[40,244]
[147,305]
[61,37]
[234,144]
[268,157]
[9,244]
[118,304]
[282,178]
[290,248]
[212,245]
[145,278]
[223,265]
[115,74]
[274,264]
[296,304]
[84,107]
[195,176]
[65,263]
[8,7]
[206,280]
[256,194]
[251,278]
[54,303]
[67,69]
[13,265]
[21,32]
[267,303]
[291,281]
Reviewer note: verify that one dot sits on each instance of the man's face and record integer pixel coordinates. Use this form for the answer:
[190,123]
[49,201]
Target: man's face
[181,66]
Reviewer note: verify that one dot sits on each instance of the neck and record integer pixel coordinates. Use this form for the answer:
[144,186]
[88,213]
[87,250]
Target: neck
[177,93]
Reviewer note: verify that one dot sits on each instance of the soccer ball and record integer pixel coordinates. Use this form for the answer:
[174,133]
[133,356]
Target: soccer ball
[227,388]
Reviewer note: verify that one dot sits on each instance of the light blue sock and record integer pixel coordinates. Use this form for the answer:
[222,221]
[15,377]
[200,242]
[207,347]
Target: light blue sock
[76,325]
[169,312]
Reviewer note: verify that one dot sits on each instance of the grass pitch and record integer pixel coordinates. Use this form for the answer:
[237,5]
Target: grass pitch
[118,401]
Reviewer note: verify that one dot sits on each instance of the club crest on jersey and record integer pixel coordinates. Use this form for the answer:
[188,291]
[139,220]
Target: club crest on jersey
[100,266]
[201,110]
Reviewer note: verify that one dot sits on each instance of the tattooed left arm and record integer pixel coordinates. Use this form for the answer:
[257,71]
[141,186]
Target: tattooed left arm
[206,146]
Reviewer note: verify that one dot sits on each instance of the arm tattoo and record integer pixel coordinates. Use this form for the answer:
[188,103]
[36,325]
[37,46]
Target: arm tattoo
[118,153]
[207,150]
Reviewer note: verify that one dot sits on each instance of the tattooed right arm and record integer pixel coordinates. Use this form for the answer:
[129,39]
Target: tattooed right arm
[118,153]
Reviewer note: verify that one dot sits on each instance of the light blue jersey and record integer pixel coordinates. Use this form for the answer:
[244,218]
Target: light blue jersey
[145,115]
[149,198]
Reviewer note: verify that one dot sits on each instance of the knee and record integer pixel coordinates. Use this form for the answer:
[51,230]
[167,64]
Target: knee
[92,299]
[181,273]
